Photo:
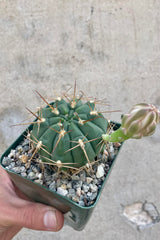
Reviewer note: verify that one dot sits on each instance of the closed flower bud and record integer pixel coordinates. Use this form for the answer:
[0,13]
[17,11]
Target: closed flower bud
[141,121]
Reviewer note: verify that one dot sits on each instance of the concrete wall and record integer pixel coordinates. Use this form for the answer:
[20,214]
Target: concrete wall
[112,49]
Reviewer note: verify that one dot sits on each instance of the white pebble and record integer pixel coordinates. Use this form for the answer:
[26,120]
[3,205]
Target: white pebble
[62,191]
[40,175]
[100,171]
[93,187]
[12,153]
[31,175]
[78,192]
[85,188]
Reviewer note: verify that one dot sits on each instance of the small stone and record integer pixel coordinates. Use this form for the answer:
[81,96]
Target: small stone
[78,192]
[62,191]
[81,203]
[72,191]
[12,165]
[85,188]
[22,169]
[12,153]
[75,199]
[93,187]
[100,171]
[89,180]
[6,161]
[19,148]
[17,169]
[24,158]
[76,184]
[89,194]
[18,162]
[39,181]
[40,175]
[82,192]
[69,196]
[31,175]
[95,181]
[52,186]
[93,196]
[69,185]
[23,174]
[17,154]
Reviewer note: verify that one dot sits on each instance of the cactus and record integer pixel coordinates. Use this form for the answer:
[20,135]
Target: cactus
[68,132]
[141,121]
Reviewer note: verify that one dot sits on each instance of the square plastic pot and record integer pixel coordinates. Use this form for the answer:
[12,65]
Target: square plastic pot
[76,216]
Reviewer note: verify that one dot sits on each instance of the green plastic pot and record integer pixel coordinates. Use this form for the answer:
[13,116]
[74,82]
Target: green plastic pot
[76,216]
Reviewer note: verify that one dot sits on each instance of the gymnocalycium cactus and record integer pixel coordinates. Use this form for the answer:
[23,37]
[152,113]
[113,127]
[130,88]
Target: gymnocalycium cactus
[72,132]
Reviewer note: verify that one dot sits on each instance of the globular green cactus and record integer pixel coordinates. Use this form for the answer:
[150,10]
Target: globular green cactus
[141,121]
[69,132]
[72,132]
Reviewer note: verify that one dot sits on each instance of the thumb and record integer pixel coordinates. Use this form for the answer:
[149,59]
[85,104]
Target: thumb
[38,217]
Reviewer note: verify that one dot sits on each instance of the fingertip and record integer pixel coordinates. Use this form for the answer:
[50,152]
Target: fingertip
[53,220]
[60,220]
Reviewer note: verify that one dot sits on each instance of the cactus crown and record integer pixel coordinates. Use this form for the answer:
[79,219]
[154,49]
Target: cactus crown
[69,131]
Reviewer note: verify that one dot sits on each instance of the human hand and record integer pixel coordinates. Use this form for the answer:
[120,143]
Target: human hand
[17,211]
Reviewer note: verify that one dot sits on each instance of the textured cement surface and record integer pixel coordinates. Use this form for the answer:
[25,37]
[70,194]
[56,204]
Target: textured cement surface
[112,49]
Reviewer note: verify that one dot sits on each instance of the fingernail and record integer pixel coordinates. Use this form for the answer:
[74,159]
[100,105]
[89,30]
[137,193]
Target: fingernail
[50,221]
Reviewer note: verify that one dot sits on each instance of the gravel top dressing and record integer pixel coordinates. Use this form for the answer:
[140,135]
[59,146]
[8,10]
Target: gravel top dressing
[81,186]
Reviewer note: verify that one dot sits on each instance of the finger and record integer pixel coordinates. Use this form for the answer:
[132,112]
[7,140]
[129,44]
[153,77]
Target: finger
[38,217]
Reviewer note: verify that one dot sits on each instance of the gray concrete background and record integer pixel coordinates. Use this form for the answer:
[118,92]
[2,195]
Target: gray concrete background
[112,49]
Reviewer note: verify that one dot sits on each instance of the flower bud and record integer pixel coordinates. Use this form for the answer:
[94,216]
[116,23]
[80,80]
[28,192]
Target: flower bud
[141,121]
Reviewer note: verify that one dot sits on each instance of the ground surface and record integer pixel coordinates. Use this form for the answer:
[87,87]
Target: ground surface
[112,49]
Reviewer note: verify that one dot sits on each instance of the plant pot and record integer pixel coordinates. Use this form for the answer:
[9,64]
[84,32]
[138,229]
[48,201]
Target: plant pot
[76,216]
